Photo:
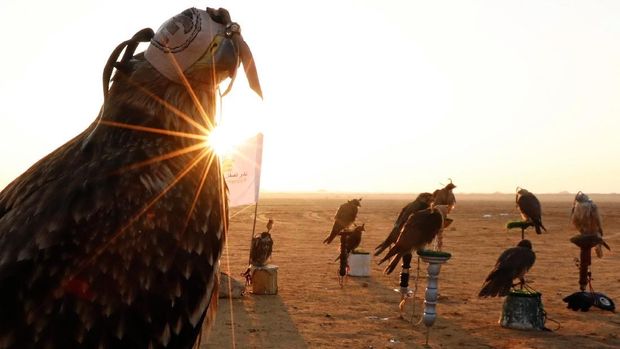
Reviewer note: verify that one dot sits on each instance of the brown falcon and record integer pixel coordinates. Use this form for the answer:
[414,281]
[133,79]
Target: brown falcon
[419,230]
[445,196]
[422,202]
[262,245]
[345,216]
[513,263]
[113,240]
[350,240]
[585,217]
[530,209]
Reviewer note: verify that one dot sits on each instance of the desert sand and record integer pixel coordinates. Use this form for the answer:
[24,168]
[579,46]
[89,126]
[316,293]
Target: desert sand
[312,311]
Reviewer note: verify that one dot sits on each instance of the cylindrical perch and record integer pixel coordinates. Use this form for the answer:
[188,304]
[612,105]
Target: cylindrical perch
[585,243]
[523,310]
[359,264]
[434,259]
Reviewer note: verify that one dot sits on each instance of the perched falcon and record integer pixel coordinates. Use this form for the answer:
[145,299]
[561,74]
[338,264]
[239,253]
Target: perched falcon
[443,209]
[422,202]
[530,209]
[513,263]
[113,240]
[350,240]
[585,217]
[419,230]
[262,246]
[345,216]
[445,196]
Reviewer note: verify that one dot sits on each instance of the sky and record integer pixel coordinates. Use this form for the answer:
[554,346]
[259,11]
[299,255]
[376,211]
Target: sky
[359,96]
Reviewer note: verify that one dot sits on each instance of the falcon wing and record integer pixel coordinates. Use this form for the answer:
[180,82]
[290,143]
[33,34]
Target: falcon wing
[84,232]
[346,214]
[585,217]
[529,206]
[404,214]
[516,261]
[512,263]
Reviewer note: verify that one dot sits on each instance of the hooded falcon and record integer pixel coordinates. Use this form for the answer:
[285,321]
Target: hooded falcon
[445,196]
[350,240]
[513,263]
[345,216]
[530,209]
[423,201]
[585,217]
[262,245]
[419,230]
[113,240]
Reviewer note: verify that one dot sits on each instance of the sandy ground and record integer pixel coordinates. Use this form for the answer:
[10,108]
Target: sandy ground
[312,311]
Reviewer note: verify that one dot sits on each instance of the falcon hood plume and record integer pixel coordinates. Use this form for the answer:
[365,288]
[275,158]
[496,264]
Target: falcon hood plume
[113,240]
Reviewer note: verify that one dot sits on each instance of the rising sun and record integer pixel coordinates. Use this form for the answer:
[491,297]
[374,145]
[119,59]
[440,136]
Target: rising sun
[223,140]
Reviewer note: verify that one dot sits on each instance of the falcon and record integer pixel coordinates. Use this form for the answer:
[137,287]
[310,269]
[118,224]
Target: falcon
[585,217]
[262,245]
[530,209]
[113,240]
[422,202]
[445,196]
[350,240]
[345,216]
[513,263]
[419,230]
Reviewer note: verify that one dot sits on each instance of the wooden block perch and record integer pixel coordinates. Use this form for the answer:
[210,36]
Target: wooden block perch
[265,279]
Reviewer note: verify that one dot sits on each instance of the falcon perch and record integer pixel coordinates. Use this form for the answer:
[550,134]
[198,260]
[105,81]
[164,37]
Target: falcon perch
[113,240]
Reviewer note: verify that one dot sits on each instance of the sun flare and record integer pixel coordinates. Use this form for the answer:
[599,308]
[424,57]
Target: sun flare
[224,139]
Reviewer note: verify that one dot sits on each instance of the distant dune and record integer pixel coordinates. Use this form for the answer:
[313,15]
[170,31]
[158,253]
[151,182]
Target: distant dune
[552,197]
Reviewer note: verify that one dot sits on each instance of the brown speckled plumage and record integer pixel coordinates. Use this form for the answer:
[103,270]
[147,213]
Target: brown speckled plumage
[107,242]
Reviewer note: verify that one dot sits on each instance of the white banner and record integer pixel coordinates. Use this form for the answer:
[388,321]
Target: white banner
[241,168]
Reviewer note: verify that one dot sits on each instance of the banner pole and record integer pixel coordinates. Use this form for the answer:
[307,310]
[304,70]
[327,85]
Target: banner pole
[253,231]
[255,212]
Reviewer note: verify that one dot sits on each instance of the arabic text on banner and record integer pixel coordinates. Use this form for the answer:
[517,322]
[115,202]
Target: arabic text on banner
[241,168]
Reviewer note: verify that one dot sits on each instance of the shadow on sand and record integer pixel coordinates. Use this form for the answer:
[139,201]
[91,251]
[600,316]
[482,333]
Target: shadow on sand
[254,318]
